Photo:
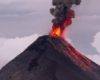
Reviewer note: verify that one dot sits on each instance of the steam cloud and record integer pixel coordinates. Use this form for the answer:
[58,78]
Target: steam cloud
[61,9]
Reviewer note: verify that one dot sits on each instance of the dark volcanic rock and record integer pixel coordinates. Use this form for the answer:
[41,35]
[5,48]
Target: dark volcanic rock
[50,59]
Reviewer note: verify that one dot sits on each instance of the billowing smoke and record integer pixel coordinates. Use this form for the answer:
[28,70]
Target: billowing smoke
[61,9]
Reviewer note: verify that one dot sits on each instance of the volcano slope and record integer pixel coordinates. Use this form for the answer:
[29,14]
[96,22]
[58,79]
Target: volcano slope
[50,58]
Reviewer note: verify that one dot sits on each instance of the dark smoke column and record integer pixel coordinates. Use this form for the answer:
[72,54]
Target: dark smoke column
[63,15]
[62,7]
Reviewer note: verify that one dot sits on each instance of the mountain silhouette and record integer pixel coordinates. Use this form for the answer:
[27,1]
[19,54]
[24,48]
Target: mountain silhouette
[50,58]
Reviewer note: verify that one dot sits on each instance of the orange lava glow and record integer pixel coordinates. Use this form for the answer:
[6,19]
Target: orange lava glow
[56,32]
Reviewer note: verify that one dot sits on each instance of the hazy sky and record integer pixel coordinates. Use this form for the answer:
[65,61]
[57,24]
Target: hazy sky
[23,18]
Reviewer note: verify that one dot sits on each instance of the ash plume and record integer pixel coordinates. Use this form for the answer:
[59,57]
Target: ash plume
[61,9]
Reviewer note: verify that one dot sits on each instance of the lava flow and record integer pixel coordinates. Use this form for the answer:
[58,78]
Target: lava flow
[58,30]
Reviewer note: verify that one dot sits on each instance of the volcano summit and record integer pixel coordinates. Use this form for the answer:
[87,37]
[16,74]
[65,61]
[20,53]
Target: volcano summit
[50,58]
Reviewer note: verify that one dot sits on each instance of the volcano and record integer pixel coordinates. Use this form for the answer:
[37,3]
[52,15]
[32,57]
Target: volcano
[50,58]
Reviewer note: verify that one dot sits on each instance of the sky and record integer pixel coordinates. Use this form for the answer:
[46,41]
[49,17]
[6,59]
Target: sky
[23,21]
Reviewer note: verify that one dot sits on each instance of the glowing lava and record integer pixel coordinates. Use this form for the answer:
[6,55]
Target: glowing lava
[58,30]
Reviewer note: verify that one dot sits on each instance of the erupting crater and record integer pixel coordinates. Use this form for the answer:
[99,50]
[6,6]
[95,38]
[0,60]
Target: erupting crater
[58,30]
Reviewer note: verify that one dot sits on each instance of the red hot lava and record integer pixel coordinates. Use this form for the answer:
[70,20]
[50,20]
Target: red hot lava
[75,55]
[58,30]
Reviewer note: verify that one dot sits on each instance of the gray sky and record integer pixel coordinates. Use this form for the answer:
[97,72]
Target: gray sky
[20,18]
[25,17]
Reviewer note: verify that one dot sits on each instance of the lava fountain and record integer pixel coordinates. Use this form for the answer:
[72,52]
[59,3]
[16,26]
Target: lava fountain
[58,30]
[63,16]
